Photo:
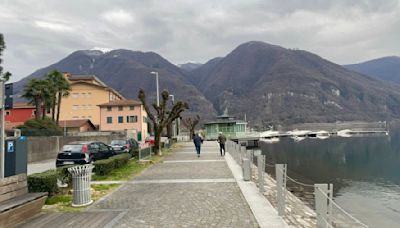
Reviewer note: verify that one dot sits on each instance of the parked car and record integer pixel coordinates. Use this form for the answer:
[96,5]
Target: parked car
[83,152]
[149,140]
[124,146]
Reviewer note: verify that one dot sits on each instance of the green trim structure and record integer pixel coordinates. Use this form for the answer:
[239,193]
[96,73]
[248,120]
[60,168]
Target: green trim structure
[228,125]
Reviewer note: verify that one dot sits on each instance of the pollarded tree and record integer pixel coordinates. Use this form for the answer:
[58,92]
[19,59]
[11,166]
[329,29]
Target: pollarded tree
[190,124]
[163,116]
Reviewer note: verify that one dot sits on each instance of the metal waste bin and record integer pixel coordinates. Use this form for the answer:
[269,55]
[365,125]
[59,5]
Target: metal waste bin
[81,177]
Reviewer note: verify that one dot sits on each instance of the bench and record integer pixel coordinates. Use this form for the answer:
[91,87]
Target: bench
[16,204]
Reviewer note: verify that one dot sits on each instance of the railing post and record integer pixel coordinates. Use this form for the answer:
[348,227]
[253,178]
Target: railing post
[242,154]
[139,154]
[323,205]
[280,171]
[261,167]
[246,169]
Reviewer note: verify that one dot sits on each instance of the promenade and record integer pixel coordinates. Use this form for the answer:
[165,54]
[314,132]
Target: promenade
[183,191]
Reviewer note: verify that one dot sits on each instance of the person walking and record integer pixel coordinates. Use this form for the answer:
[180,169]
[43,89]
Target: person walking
[197,140]
[221,140]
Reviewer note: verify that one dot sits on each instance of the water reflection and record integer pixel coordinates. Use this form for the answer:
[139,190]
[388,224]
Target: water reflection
[364,171]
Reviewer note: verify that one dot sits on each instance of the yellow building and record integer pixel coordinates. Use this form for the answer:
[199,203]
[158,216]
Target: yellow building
[87,92]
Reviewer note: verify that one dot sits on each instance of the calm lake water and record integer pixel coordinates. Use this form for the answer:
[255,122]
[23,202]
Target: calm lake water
[364,171]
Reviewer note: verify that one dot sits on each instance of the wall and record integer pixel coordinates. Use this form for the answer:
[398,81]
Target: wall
[138,111]
[43,148]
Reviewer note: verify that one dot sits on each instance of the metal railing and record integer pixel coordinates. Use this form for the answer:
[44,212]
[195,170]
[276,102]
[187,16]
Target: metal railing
[329,213]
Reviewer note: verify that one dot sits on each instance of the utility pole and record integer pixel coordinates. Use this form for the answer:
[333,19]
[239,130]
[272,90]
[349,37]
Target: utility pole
[2,138]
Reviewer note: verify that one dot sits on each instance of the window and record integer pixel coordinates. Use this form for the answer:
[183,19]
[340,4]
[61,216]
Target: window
[7,113]
[75,117]
[83,107]
[109,119]
[75,95]
[120,119]
[89,95]
[75,107]
[109,108]
[131,107]
[83,117]
[120,108]
[83,95]
[89,106]
[131,119]
[89,117]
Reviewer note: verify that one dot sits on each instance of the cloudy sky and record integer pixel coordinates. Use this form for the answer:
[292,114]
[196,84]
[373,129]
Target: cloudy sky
[39,33]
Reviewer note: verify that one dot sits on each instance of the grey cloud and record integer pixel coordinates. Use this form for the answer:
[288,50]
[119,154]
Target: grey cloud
[342,31]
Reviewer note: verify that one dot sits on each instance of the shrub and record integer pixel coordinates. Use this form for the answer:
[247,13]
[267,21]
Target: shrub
[45,127]
[121,160]
[43,182]
[135,153]
[64,176]
[103,167]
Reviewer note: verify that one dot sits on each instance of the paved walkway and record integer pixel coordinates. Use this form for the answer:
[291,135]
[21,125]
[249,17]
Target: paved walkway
[183,191]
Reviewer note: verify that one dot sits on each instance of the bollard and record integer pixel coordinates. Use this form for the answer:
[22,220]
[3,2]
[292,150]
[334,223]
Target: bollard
[246,169]
[81,177]
[323,206]
[260,166]
[280,171]
[242,154]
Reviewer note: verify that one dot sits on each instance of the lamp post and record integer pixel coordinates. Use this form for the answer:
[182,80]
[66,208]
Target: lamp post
[173,122]
[158,105]
[2,138]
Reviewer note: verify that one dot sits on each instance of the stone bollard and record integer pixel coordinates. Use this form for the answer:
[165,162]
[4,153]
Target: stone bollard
[246,169]
[261,167]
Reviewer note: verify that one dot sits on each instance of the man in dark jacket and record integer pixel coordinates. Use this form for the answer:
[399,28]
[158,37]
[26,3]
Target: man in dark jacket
[221,140]
[197,140]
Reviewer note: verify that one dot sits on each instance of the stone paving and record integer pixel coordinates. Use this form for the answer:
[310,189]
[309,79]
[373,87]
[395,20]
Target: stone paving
[182,204]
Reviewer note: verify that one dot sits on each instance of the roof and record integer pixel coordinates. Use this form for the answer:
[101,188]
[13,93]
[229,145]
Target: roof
[121,103]
[75,123]
[226,121]
[22,105]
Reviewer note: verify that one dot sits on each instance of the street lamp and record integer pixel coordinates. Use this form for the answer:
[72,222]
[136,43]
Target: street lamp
[158,105]
[173,123]
[158,95]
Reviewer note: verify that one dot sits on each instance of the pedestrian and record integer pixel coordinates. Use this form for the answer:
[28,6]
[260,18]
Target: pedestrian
[197,140]
[221,140]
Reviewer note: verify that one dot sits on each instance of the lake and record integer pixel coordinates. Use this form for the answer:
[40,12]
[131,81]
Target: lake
[364,171]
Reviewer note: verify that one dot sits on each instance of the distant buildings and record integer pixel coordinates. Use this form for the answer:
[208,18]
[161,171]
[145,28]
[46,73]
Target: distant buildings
[87,91]
[20,113]
[226,124]
[74,126]
[120,115]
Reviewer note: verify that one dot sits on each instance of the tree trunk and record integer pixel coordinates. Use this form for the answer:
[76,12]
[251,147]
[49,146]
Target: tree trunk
[157,137]
[58,107]
[53,109]
[43,110]
[169,130]
[37,108]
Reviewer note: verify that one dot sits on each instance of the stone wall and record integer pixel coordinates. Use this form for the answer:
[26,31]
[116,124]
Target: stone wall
[43,148]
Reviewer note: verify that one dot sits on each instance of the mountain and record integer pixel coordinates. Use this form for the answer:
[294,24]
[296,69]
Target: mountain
[386,68]
[187,67]
[272,84]
[128,71]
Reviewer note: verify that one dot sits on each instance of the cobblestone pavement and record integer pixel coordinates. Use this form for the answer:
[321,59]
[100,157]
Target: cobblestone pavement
[185,204]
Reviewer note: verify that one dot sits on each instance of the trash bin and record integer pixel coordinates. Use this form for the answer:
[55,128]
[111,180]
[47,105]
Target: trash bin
[81,177]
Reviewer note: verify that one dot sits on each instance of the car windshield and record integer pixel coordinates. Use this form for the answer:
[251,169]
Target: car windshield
[73,148]
[118,142]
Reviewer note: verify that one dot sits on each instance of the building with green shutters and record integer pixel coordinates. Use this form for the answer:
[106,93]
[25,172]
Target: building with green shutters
[228,125]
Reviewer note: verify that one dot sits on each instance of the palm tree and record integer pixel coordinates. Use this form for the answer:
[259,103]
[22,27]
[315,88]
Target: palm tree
[34,92]
[61,89]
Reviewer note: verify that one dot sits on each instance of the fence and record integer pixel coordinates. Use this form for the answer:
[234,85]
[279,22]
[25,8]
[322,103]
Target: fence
[328,212]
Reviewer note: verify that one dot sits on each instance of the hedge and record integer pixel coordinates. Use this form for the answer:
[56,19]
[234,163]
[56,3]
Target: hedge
[44,182]
[121,160]
[103,167]
[64,175]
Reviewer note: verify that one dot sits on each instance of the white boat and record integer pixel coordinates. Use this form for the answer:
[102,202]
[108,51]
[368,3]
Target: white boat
[298,132]
[322,134]
[270,140]
[268,134]
[344,133]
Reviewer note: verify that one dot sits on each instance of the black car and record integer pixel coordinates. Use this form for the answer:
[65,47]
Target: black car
[83,152]
[125,146]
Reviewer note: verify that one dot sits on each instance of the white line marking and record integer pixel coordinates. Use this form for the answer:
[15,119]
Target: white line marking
[175,181]
[192,161]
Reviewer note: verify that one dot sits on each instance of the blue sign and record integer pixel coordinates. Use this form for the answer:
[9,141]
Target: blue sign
[10,146]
